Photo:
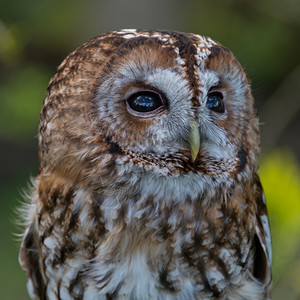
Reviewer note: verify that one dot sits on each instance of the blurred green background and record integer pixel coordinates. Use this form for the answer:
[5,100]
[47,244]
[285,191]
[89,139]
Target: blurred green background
[264,35]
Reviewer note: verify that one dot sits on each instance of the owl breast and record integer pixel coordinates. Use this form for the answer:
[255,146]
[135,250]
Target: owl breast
[148,185]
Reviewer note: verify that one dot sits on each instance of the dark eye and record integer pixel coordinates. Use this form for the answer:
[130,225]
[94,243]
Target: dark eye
[215,102]
[144,102]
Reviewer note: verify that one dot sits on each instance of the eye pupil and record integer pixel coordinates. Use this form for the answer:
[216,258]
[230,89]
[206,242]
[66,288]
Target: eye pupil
[215,102]
[144,102]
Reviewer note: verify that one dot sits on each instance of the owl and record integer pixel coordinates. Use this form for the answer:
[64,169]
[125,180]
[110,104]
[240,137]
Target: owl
[148,185]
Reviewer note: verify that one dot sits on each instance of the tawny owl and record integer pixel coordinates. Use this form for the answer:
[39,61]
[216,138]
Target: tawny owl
[148,185]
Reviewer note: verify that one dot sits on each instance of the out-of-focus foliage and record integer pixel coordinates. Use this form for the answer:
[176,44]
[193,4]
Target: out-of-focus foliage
[12,278]
[21,96]
[280,177]
[11,43]
[264,35]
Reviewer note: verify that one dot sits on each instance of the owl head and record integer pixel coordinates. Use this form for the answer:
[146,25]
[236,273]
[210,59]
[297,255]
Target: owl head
[163,103]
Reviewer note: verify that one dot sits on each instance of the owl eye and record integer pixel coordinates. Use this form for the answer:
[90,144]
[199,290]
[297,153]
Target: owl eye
[144,102]
[215,102]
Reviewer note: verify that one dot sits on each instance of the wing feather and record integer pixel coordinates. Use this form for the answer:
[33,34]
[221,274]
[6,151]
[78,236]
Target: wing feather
[263,249]
[29,259]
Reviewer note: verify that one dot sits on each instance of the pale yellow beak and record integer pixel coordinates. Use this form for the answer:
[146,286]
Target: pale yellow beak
[194,140]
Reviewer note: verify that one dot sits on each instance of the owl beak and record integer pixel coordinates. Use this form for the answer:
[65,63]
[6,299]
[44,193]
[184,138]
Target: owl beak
[194,140]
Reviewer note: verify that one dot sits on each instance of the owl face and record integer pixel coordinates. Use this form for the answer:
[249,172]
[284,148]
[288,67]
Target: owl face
[165,102]
[154,91]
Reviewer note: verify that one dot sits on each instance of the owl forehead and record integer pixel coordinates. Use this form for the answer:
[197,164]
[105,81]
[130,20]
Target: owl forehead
[185,45]
[189,48]
[145,52]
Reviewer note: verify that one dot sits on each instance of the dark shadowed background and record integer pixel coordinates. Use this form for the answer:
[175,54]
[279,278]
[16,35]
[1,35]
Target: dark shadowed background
[35,36]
